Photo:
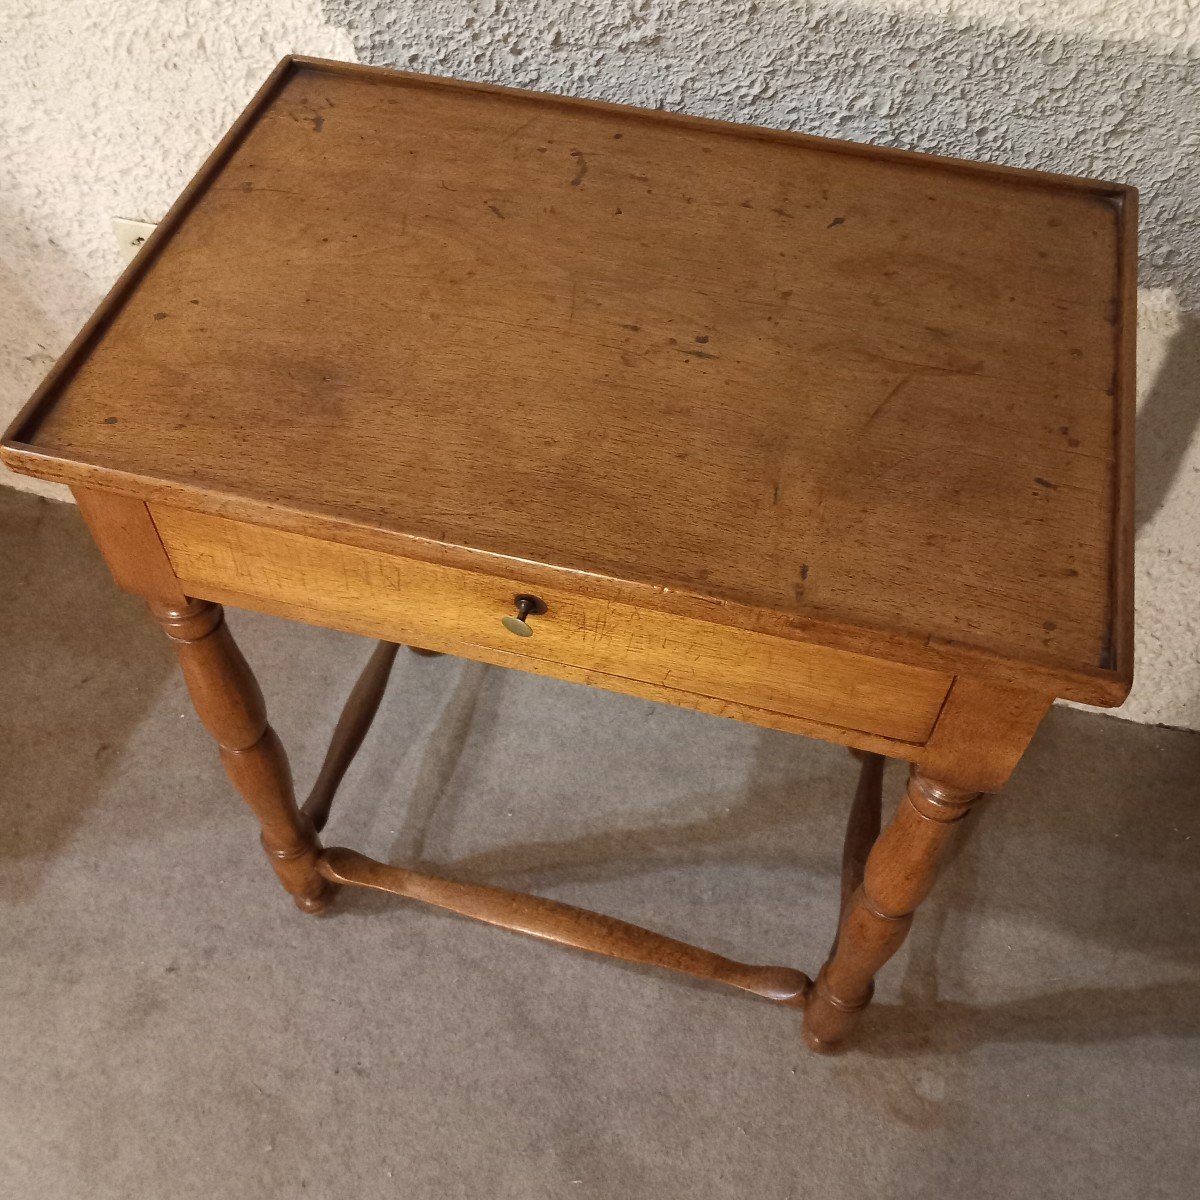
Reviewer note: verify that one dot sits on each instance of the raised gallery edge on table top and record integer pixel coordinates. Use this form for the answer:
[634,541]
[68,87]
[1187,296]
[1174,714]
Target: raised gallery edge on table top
[829,391]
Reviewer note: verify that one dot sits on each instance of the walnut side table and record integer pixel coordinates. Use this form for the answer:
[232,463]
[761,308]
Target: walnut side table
[824,437]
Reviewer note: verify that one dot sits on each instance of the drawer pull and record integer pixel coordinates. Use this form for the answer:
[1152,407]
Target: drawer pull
[526,606]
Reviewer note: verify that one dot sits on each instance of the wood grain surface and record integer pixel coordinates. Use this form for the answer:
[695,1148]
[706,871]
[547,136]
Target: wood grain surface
[786,377]
[349,588]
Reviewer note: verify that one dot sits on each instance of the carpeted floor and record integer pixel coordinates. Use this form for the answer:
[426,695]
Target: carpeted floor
[170,1026]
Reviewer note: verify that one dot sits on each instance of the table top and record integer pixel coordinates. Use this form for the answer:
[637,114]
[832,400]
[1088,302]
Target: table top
[858,393]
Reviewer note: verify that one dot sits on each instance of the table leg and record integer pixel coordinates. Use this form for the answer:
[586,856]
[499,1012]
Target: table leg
[228,701]
[900,872]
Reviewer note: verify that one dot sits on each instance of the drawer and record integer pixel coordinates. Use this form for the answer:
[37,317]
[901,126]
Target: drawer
[441,607]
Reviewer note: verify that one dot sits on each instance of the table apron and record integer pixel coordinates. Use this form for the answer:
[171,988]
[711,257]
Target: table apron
[739,672]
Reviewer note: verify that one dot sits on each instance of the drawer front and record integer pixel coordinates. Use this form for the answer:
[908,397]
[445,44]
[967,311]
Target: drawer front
[426,604]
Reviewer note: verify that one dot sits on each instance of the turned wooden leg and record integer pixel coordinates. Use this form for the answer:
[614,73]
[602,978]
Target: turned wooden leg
[862,830]
[229,703]
[352,726]
[900,871]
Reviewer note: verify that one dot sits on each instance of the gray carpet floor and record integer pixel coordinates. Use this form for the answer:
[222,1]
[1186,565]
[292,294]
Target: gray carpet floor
[170,1026]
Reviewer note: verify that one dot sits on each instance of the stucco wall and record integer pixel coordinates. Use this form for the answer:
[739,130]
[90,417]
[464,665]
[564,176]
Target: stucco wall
[109,106]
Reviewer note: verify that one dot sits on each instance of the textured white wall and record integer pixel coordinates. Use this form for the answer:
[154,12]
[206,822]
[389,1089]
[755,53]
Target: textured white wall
[109,106]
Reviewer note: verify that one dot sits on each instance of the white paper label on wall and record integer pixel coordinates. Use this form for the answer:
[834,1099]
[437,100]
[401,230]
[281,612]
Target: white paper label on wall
[130,235]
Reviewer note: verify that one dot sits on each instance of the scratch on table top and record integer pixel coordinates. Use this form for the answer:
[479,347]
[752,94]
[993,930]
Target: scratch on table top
[523,125]
[887,399]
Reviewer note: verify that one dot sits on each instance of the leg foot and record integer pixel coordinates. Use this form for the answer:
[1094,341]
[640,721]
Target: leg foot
[309,895]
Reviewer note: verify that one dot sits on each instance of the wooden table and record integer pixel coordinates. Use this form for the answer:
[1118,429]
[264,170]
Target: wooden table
[824,437]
